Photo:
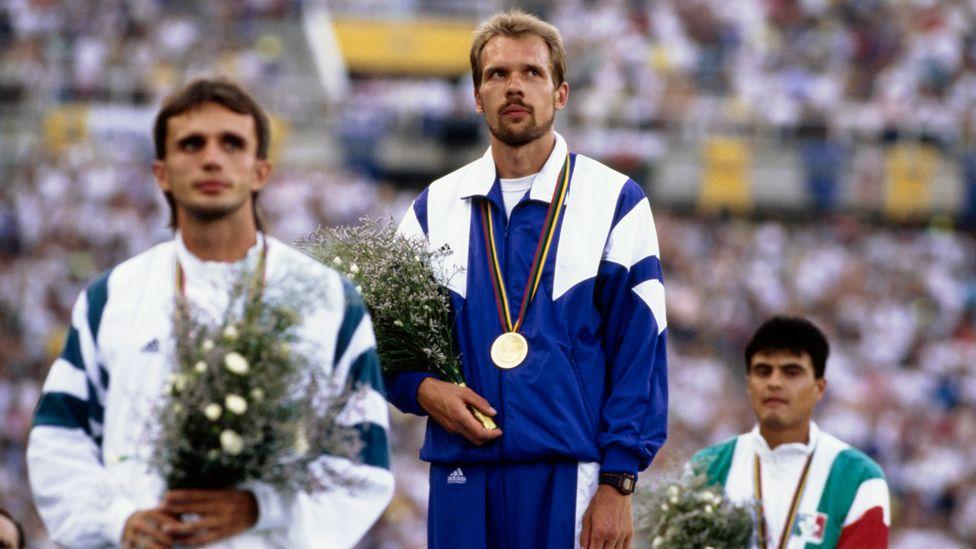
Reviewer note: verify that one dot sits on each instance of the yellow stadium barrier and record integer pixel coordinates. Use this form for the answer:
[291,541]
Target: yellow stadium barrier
[726,169]
[65,125]
[910,170]
[418,46]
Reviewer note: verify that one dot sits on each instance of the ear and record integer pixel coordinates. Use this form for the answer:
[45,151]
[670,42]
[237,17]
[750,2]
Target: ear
[262,173]
[821,387]
[561,96]
[159,172]
[477,102]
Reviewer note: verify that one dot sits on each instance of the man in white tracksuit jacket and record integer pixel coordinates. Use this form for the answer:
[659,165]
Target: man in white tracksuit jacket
[88,447]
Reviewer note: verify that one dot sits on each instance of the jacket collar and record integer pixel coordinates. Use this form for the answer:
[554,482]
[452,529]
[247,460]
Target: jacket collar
[485,177]
[762,447]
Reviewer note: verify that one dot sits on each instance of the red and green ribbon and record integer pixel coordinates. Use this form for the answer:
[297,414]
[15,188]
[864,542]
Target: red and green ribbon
[556,207]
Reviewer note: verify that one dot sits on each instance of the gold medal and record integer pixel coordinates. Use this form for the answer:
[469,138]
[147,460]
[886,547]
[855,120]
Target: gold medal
[509,350]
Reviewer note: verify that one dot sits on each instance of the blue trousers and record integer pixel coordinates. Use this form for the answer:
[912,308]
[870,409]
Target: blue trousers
[503,505]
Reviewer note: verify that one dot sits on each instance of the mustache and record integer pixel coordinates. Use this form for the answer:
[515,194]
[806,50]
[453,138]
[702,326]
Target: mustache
[515,103]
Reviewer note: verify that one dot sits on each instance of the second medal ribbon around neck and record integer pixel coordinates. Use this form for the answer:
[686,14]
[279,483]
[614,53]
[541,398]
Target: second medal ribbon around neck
[510,349]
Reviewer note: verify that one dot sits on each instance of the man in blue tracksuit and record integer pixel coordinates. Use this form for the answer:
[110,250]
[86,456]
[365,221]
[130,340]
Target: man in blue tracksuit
[559,317]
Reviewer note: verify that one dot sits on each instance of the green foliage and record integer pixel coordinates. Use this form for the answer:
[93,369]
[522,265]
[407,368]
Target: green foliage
[690,514]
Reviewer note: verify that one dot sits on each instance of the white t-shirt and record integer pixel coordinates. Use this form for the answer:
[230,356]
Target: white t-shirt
[513,190]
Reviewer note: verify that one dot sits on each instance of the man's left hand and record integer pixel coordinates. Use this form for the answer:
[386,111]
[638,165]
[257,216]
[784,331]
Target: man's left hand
[223,513]
[609,521]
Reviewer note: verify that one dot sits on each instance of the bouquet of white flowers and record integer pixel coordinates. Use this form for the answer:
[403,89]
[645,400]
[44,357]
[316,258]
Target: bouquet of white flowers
[690,514]
[244,404]
[404,293]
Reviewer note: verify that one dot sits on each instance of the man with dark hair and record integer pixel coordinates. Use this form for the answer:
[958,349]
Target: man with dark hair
[90,440]
[231,97]
[810,486]
[11,532]
[559,314]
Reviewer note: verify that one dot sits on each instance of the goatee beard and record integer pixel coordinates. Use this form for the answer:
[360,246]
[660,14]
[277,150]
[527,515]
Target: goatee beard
[519,138]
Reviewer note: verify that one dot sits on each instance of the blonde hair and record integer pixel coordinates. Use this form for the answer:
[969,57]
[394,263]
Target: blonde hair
[517,23]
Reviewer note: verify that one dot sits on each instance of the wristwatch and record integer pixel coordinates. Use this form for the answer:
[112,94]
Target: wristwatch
[623,482]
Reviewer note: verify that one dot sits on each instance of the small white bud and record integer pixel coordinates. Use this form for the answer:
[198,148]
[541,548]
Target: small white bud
[236,363]
[230,333]
[208,344]
[213,411]
[231,442]
[257,393]
[236,404]
[337,261]
[354,269]
[200,367]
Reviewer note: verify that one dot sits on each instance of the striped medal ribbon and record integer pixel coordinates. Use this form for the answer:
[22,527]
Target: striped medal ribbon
[510,349]
[794,503]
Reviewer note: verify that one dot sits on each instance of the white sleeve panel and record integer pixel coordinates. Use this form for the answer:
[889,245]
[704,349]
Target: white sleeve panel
[634,237]
[336,518]
[79,502]
[870,494]
[652,293]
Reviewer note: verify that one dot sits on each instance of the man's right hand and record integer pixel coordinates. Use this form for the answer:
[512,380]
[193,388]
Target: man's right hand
[448,404]
[144,529]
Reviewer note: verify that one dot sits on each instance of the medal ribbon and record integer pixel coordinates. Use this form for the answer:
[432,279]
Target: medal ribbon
[556,207]
[794,503]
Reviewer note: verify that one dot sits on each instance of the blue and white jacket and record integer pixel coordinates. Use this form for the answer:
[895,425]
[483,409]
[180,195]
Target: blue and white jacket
[91,439]
[594,385]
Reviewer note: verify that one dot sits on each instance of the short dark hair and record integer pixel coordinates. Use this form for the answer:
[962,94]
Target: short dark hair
[791,334]
[21,539]
[222,92]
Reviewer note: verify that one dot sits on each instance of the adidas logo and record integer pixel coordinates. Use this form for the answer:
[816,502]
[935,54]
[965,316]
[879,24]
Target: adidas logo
[151,347]
[457,477]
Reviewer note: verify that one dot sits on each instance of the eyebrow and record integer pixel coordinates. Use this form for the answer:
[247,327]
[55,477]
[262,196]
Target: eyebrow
[226,136]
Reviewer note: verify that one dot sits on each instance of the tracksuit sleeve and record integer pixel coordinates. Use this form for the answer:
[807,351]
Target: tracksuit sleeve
[402,387]
[341,515]
[867,522]
[630,296]
[81,505]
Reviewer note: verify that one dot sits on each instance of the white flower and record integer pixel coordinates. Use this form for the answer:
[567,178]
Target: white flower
[235,404]
[231,442]
[337,261]
[416,258]
[179,382]
[257,393]
[284,348]
[177,407]
[213,411]
[658,541]
[664,507]
[230,333]
[708,509]
[359,289]
[398,323]
[354,269]
[236,363]
[672,490]
[208,344]
[301,442]
[200,367]
[212,455]
[709,547]
[674,499]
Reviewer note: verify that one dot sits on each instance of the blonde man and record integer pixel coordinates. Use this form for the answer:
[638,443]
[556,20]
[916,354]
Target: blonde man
[559,316]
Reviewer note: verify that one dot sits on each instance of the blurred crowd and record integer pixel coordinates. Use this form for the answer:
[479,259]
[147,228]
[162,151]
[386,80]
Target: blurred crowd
[898,304]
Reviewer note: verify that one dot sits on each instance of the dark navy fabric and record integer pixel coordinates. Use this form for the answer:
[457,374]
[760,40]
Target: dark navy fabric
[494,506]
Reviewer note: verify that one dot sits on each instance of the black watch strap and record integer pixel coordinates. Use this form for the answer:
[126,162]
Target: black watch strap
[623,482]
